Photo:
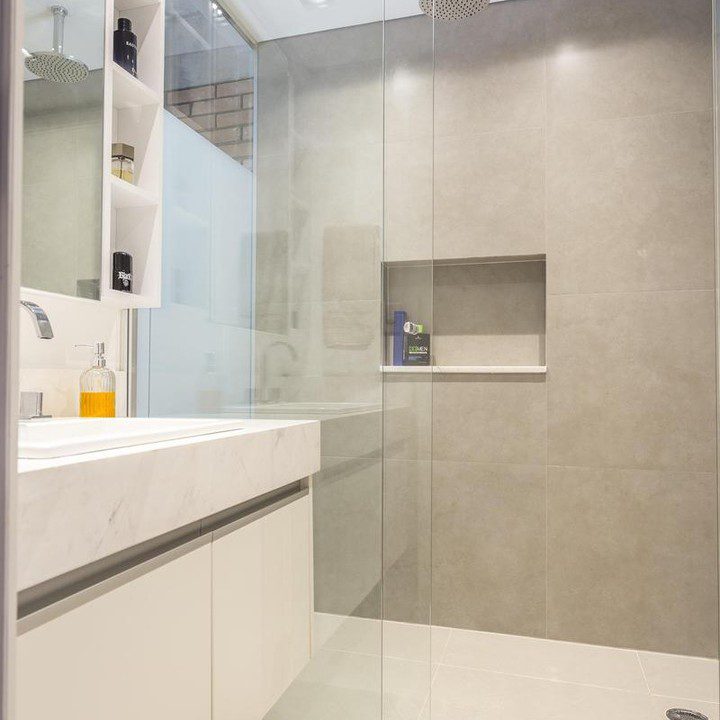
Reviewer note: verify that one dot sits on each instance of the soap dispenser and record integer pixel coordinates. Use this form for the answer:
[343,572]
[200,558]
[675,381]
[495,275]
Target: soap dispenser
[97,386]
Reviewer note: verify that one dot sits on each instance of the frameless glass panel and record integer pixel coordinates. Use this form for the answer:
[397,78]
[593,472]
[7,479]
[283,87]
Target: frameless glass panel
[63,147]
[409,352]
[319,335]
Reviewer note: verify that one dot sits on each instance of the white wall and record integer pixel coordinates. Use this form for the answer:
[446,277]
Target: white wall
[53,367]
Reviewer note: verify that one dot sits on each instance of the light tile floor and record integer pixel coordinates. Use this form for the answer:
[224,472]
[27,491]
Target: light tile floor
[483,675]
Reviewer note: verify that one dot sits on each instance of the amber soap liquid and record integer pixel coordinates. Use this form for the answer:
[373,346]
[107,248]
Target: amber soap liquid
[97,404]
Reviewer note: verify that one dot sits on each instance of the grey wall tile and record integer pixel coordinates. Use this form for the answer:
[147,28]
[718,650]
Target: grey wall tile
[406,540]
[489,314]
[354,435]
[490,71]
[409,199]
[614,58]
[632,380]
[631,559]
[409,78]
[347,532]
[630,204]
[351,263]
[339,185]
[489,547]
[501,419]
[489,194]
[407,415]
[273,100]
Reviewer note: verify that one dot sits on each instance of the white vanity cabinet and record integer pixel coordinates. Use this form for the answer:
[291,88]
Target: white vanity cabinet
[214,630]
[261,611]
[137,651]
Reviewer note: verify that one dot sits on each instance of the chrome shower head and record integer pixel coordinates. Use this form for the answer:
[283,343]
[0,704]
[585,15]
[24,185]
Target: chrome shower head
[52,64]
[452,9]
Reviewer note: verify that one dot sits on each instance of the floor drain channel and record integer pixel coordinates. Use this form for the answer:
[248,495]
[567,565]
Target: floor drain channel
[680,714]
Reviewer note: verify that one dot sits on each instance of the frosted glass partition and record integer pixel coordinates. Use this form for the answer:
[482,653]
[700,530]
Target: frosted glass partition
[194,353]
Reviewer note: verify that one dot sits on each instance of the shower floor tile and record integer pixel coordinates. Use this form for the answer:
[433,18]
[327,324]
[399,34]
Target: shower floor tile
[453,674]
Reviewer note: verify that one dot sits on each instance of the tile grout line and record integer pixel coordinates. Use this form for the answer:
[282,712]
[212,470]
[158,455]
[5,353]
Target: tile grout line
[548,680]
[692,700]
[644,674]
[446,644]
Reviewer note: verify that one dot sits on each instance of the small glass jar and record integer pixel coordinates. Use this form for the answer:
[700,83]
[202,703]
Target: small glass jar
[123,161]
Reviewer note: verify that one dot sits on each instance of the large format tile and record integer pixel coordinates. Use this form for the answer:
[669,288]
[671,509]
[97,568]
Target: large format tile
[681,676]
[464,694]
[632,559]
[332,682]
[632,380]
[409,51]
[351,263]
[406,687]
[409,199]
[406,541]
[489,194]
[546,659]
[338,186]
[407,417]
[490,71]
[500,419]
[630,205]
[489,547]
[614,58]
[346,633]
[347,532]
[414,641]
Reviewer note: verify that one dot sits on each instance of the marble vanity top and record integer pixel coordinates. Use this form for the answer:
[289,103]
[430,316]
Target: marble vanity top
[78,509]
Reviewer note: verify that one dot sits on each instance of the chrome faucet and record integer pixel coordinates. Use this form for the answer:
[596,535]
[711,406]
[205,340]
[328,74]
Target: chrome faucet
[31,406]
[268,394]
[42,322]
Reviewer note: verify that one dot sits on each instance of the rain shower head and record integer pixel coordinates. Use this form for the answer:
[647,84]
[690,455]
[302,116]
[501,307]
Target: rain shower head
[452,9]
[52,64]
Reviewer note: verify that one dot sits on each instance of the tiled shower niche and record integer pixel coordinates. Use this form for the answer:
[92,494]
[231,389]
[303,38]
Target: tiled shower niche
[482,316]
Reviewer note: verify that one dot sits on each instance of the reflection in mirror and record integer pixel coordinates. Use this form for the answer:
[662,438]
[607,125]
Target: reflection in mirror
[63,146]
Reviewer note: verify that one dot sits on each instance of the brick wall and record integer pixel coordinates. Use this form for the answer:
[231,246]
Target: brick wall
[221,112]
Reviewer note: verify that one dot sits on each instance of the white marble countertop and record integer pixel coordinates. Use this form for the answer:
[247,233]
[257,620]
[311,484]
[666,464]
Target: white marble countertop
[75,510]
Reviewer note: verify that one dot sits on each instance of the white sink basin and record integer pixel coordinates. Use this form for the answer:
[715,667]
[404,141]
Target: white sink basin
[61,437]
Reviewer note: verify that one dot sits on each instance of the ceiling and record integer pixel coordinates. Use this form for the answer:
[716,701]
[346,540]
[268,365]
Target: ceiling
[272,19]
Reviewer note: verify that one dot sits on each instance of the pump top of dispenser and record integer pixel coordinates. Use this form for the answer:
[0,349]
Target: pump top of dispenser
[124,24]
[99,359]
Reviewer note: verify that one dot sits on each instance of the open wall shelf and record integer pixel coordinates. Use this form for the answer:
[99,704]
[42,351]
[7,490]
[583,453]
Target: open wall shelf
[466,369]
[132,211]
[479,260]
[485,316]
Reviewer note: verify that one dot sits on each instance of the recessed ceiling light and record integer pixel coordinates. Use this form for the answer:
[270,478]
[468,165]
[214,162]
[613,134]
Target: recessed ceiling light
[315,3]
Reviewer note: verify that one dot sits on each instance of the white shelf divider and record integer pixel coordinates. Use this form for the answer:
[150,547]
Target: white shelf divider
[467,369]
[126,195]
[129,92]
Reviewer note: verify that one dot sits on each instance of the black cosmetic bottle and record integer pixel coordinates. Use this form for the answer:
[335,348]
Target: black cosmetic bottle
[122,272]
[125,46]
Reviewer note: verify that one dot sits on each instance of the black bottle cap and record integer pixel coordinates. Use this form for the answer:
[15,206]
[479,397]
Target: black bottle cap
[124,24]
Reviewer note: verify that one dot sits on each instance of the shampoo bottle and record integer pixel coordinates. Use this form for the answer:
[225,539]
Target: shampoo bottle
[97,386]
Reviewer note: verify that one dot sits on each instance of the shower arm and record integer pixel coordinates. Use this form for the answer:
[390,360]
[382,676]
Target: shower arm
[59,15]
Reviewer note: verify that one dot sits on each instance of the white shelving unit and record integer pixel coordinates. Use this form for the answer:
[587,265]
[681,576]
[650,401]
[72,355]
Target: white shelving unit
[467,369]
[132,212]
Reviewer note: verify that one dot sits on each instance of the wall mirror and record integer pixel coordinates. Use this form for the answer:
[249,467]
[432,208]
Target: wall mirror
[63,146]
